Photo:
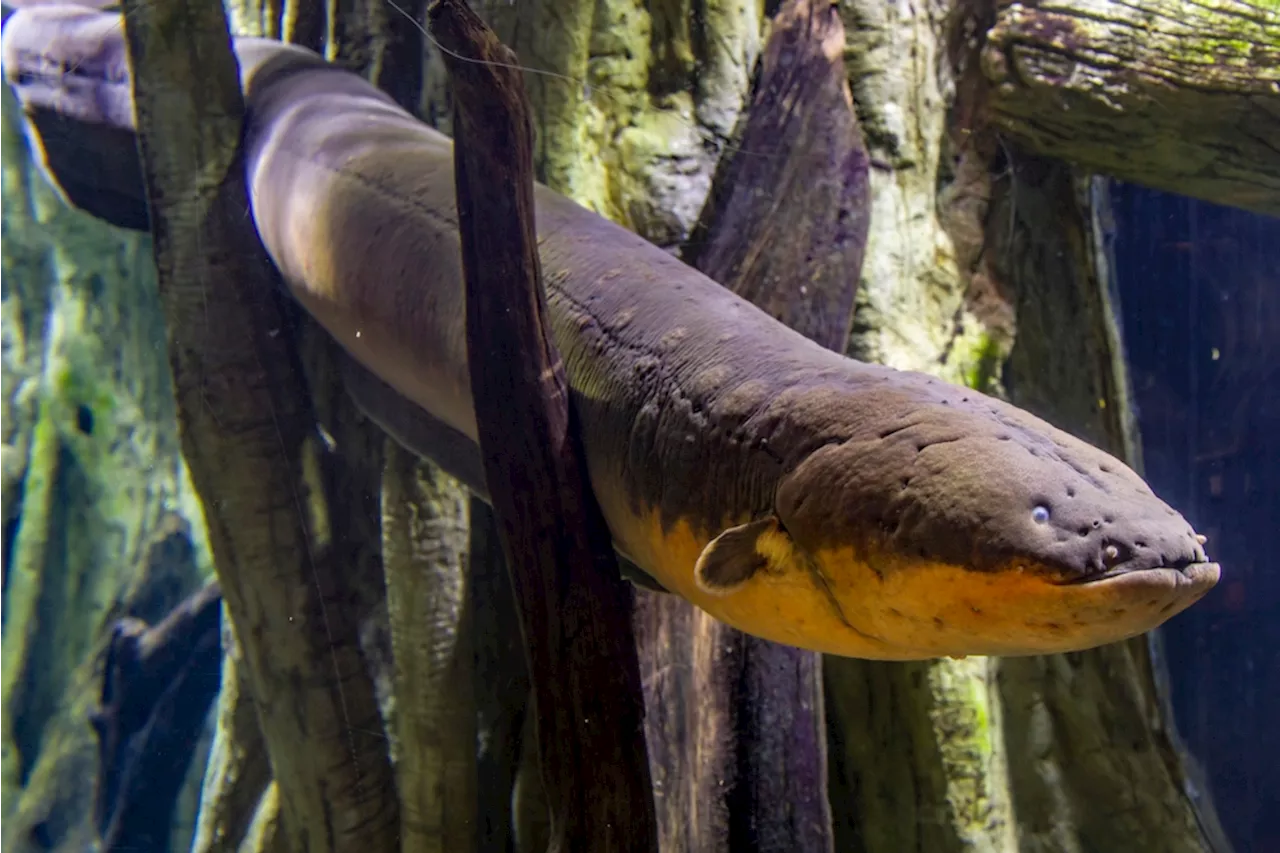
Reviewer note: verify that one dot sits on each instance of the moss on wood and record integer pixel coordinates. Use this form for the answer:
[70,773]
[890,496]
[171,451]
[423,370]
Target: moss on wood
[1180,96]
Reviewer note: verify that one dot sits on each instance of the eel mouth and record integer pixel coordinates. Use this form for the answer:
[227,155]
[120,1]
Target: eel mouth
[1187,574]
[1158,592]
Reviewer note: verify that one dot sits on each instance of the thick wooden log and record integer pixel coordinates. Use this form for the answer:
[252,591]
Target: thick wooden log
[738,731]
[424,543]
[786,225]
[1181,96]
[243,415]
[1082,727]
[573,603]
[789,230]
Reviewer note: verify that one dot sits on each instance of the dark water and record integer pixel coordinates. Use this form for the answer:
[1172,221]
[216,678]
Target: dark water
[1200,294]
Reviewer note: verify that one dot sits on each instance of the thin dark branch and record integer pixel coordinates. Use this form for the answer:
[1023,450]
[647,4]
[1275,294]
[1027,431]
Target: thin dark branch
[787,221]
[157,686]
[785,227]
[573,604]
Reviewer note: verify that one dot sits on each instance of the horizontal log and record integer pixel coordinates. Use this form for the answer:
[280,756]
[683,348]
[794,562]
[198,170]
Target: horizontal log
[1179,95]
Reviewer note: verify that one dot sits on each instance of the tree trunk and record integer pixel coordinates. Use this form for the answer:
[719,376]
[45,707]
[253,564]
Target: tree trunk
[574,606]
[1082,726]
[243,414]
[418,537]
[973,755]
[425,524]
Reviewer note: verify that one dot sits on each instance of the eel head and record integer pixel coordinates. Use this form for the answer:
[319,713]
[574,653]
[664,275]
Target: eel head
[958,525]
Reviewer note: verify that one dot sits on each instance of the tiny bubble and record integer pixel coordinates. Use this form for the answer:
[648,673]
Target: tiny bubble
[1040,515]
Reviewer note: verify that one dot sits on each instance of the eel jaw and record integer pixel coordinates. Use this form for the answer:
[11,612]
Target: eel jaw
[1148,597]
[919,609]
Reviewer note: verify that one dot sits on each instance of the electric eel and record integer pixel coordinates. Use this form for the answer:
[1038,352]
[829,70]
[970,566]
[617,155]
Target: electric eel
[787,490]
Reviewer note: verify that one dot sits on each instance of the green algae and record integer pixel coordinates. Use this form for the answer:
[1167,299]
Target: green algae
[93,469]
[981,363]
[964,715]
[26,573]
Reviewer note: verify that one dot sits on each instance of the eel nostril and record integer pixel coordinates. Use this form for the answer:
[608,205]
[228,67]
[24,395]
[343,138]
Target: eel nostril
[1114,553]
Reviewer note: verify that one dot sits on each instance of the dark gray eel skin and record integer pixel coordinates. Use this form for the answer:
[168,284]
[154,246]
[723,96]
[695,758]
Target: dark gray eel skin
[786,490]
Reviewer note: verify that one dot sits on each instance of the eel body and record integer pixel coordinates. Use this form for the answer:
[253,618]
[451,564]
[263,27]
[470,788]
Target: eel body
[791,492]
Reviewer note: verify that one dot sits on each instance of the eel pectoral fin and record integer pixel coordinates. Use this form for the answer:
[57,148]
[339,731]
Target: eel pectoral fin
[741,552]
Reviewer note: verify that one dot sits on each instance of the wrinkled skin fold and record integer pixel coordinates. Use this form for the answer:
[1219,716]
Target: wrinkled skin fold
[791,492]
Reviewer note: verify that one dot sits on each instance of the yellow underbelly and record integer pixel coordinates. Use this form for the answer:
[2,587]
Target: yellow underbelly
[785,607]
[889,606]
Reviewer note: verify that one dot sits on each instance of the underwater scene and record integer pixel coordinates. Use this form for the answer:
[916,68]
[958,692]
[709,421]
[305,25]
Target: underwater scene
[494,426]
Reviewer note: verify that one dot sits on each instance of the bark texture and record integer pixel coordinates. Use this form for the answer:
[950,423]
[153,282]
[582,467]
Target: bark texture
[620,129]
[914,307]
[1177,95]
[424,546]
[243,416]
[786,222]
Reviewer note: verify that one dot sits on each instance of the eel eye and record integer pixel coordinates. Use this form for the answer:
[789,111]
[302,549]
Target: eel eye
[1040,515]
